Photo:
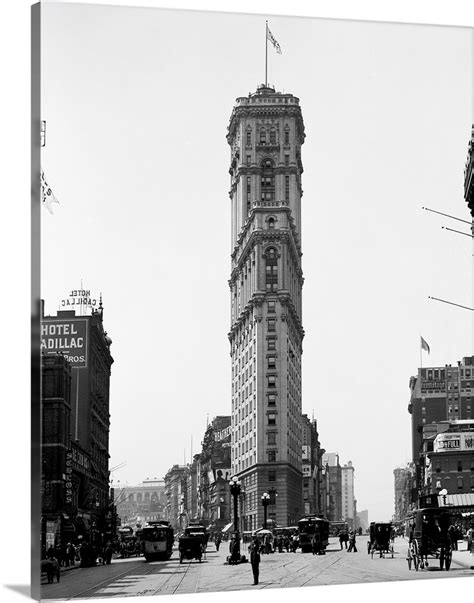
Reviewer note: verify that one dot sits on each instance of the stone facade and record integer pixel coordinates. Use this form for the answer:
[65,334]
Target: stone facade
[141,503]
[265,133]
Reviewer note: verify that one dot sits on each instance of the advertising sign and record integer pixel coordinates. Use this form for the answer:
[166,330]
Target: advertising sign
[446,442]
[79,297]
[68,336]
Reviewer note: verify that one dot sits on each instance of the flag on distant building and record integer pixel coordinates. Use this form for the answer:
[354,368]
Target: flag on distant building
[424,345]
[272,39]
[47,196]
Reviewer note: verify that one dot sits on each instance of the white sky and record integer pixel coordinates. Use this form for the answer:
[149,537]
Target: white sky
[137,103]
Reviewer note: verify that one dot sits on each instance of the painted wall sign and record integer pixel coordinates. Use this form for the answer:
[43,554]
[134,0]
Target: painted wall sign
[68,336]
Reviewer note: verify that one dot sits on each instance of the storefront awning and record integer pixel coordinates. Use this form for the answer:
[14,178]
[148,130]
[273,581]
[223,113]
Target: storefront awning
[227,527]
[457,500]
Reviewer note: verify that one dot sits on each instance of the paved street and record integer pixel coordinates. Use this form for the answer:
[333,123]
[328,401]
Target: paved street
[136,577]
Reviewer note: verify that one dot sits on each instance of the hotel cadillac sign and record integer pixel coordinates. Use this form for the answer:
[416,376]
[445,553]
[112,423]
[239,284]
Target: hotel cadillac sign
[67,336]
[79,298]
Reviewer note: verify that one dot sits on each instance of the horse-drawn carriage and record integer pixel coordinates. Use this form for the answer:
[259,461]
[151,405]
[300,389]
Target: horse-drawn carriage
[380,539]
[191,547]
[429,538]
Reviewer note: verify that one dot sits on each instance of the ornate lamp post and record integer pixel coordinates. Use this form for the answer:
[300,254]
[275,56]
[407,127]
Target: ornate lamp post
[235,492]
[265,502]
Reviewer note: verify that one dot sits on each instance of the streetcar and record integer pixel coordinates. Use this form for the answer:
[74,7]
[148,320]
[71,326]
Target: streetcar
[313,529]
[338,527]
[157,540]
[429,538]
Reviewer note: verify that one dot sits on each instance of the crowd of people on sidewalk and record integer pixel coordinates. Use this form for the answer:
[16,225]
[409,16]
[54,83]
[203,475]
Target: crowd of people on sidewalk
[85,554]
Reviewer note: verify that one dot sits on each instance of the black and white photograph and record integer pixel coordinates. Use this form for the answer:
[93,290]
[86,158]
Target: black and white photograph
[255,320]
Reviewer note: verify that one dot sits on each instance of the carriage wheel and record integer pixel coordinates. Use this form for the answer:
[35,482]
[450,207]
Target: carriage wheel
[416,559]
[447,560]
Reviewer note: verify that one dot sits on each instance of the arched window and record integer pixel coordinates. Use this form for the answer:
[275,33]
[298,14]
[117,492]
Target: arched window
[273,136]
[271,223]
[271,270]
[139,497]
[268,181]
[248,141]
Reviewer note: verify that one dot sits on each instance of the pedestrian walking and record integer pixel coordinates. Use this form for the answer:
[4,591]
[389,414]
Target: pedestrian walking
[352,542]
[108,553]
[452,532]
[255,559]
[217,541]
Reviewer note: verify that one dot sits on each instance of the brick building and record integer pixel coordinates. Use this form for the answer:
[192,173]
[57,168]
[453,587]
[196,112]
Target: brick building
[312,456]
[448,454]
[438,394]
[80,405]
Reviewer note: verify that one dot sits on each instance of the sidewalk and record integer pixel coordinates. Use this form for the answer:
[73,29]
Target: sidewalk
[463,557]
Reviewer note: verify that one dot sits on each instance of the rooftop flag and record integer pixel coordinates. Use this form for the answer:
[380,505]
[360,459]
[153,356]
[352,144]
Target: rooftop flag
[424,345]
[272,39]
[47,196]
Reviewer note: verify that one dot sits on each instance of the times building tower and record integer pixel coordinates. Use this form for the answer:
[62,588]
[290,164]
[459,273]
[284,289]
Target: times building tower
[265,135]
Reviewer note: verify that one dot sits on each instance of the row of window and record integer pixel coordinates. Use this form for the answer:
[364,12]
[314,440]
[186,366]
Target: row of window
[265,137]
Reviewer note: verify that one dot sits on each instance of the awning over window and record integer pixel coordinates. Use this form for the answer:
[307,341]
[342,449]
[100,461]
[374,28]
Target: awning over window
[227,527]
[457,500]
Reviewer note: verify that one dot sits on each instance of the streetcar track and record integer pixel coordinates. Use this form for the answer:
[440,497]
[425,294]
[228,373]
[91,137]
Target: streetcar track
[100,584]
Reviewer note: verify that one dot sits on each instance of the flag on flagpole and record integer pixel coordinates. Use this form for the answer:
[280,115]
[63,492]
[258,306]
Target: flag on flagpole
[47,196]
[424,345]
[272,39]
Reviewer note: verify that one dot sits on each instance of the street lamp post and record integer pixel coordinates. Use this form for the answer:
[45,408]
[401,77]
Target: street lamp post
[265,502]
[235,492]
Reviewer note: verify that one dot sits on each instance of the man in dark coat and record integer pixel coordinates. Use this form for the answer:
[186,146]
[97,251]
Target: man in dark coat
[255,559]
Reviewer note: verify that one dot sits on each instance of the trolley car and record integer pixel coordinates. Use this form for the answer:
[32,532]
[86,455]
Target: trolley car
[313,532]
[157,540]
[429,538]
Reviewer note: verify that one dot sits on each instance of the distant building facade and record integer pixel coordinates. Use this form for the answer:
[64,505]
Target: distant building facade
[175,490]
[311,457]
[363,519]
[141,503]
[213,474]
[347,494]
[405,491]
[332,486]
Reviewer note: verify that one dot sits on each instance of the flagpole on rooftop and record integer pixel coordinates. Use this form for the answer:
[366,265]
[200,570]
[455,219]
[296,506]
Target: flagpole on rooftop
[266,51]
